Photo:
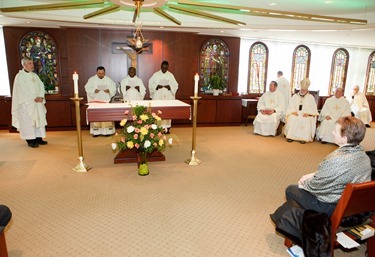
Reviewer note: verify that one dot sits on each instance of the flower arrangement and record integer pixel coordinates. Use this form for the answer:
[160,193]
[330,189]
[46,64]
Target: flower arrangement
[142,134]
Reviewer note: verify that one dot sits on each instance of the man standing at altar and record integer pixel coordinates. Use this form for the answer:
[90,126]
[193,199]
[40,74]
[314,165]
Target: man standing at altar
[301,116]
[360,106]
[334,107]
[28,110]
[163,86]
[132,87]
[283,87]
[270,110]
[100,88]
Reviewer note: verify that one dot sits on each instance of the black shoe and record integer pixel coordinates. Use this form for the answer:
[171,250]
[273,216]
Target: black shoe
[32,143]
[323,142]
[95,135]
[302,142]
[368,126]
[40,141]
[289,140]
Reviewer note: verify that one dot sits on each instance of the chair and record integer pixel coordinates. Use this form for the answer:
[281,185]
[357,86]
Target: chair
[315,94]
[3,246]
[356,198]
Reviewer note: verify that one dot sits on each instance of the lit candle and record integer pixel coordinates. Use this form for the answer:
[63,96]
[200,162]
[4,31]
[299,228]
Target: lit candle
[196,79]
[75,79]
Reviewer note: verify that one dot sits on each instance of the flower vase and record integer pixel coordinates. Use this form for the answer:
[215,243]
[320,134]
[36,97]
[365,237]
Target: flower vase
[142,164]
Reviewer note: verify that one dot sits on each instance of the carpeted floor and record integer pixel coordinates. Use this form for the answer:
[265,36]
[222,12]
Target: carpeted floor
[218,208]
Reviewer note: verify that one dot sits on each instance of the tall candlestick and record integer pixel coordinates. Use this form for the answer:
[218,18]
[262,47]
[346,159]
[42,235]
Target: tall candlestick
[196,79]
[75,79]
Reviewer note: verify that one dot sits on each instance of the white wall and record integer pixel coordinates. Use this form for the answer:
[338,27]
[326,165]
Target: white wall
[280,58]
[4,79]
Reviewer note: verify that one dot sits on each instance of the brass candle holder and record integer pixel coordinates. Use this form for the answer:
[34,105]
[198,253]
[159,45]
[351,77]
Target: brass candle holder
[81,166]
[193,160]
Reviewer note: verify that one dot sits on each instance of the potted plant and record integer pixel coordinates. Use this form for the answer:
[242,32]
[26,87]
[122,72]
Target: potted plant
[216,83]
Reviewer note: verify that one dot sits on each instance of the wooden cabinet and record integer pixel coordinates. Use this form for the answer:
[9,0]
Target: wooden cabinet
[5,112]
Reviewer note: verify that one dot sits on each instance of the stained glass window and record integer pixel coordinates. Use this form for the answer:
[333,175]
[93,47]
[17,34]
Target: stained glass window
[214,60]
[301,65]
[42,49]
[258,62]
[339,70]
[370,76]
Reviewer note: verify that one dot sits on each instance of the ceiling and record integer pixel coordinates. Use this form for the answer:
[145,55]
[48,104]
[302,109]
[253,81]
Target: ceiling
[259,27]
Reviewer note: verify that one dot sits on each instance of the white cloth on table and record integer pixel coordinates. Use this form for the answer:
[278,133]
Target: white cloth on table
[360,108]
[298,127]
[28,116]
[163,79]
[264,124]
[100,128]
[334,108]
[132,93]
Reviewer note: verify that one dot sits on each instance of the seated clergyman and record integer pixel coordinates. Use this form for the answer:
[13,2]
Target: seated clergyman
[301,115]
[334,107]
[270,110]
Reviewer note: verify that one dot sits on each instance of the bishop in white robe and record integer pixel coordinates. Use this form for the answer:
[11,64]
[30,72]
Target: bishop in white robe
[360,106]
[270,107]
[100,88]
[28,105]
[132,87]
[301,116]
[334,107]
[163,86]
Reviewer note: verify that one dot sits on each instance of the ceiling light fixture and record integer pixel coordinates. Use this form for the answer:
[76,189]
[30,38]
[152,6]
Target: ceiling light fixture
[272,14]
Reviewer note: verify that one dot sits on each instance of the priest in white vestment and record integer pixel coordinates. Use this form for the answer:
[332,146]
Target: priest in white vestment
[283,87]
[301,116]
[28,105]
[132,87]
[334,108]
[360,106]
[270,110]
[100,88]
[163,86]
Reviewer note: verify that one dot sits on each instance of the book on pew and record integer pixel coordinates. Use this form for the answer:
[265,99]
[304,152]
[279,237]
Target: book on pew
[295,251]
[362,232]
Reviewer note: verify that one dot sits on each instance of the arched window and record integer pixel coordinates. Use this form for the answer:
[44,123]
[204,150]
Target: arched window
[370,75]
[258,62]
[214,60]
[300,65]
[42,49]
[339,69]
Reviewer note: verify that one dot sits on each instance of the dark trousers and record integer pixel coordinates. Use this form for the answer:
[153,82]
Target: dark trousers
[5,215]
[308,201]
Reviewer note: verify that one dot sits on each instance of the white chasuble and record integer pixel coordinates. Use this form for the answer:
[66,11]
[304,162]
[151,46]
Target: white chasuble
[301,118]
[334,108]
[265,124]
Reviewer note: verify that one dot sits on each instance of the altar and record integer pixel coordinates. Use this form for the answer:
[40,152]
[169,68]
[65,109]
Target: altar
[170,109]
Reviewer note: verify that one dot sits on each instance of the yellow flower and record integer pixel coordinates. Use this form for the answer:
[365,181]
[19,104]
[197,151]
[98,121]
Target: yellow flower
[144,117]
[161,142]
[130,144]
[123,122]
[144,131]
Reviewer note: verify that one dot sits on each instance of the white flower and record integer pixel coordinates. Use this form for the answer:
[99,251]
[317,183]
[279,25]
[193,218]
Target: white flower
[114,146]
[153,126]
[130,129]
[170,141]
[147,144]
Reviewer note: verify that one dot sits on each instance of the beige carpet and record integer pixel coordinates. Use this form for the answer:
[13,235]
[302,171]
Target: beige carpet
[218,208]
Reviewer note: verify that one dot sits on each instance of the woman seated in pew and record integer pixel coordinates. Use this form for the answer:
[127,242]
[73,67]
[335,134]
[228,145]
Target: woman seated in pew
[320,191]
